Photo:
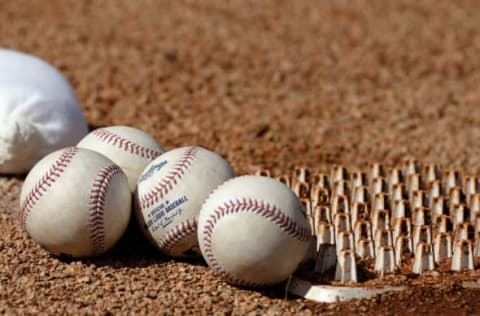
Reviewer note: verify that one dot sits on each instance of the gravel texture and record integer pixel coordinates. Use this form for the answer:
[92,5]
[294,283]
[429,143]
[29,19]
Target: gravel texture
[272,84]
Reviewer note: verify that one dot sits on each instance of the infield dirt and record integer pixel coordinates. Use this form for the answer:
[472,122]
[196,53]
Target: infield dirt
[273,84]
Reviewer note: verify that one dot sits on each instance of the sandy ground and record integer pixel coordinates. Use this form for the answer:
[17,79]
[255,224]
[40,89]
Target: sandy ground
[273,84]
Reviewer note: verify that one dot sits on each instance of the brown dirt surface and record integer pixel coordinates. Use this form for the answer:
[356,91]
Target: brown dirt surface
[266,84]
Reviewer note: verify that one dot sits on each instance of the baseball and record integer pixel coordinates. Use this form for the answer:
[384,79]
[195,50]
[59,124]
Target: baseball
[130,148]
[39,111]
[170,193]
[75,202]
[252,231]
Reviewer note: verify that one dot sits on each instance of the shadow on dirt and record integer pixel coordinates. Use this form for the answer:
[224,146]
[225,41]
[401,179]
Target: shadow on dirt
[133,250]
[92,127]
[19,177]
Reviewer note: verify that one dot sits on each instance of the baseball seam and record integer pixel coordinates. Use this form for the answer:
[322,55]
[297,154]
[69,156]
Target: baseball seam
[170,180]
[120,142]
[176,234]
[97,205]
[248,205]
[46,181]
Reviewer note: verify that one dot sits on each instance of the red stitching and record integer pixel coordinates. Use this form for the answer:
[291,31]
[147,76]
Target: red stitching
[123,143]
[97,204]
[46,181]
[176,234]
[248,205]
[166,184]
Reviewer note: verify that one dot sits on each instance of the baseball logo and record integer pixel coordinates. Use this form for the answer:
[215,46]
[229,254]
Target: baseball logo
[170,193]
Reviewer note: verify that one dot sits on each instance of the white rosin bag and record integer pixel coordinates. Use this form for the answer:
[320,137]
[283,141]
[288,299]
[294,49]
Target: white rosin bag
[39,112]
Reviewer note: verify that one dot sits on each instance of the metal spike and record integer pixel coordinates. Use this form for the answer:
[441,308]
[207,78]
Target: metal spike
[359,211]
[418,199]
[460,213]
[477,225]
[442,247]
[394,178]
[439,207]
[443,224]
[380,220]
[421,216]
[338,173]
[326,233]
[402,228]
[423,258]
[464,231]
[365,248]
[435,191]
[403,246]
[358,178]
[307,206]
[383,237]
[476,248]
[399,192]
[421,234]
[378,185]
[411,166]
[362,230]
[320,180]
[301,189]
[319,196]
[474,203]
[455,196]
[381,201]
[470,186]
[376,170]
[341,222]
[401,208]
[452,179]
[462,256]
[326,250]
[432,173]
[311,223]
[263,172]
[345,241]
[360,194]
[285,179]
[385,260]
[321,213]
[414,183]
[340,204]
[340,187]
[346,269]
[301,174]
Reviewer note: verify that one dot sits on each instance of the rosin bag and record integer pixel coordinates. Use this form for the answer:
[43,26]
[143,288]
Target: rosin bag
[39,112]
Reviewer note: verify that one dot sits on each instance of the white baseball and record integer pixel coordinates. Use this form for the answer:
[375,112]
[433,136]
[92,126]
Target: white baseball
[170,193]
[75,202]
[128,147]
[252,231]
[39,111]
